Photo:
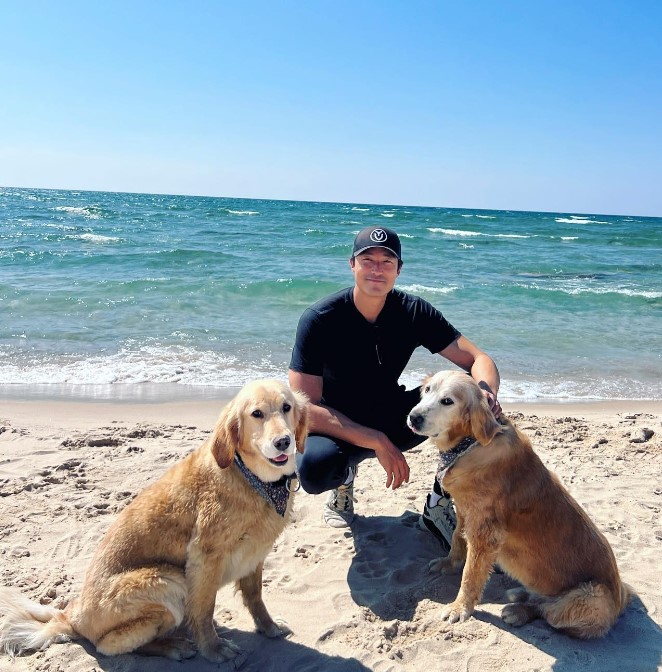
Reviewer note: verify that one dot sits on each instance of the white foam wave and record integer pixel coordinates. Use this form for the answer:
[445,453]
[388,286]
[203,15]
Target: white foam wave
[388,214]
[419,289]
[94,238]
[576,219]
[464,246]
[569,237]
[461,232]
[243,212]
[466,215]
[486,216]
[574,291]
[453,232]
[148,364]
[87,212]
[361,209]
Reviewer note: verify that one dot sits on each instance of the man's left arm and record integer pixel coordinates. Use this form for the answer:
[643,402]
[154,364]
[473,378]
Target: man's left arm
[482,368]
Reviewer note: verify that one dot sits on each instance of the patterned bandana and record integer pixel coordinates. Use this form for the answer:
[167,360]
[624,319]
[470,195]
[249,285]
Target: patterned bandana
[277,493]
[448,459]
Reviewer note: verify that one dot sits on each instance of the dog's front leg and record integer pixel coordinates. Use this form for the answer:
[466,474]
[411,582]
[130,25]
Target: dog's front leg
[251,591]
[203,578]
[481,554]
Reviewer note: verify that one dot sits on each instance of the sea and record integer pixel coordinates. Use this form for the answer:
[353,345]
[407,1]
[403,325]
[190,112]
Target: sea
[140,297]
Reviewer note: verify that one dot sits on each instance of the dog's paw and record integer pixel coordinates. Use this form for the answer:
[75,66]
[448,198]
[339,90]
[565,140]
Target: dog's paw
[178,649]
[442,566]
[518,614]
[456,612]
[220,651]
[277,628]
[518,594]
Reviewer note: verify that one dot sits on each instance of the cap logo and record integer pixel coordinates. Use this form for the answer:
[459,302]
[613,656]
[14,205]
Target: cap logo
[378,236]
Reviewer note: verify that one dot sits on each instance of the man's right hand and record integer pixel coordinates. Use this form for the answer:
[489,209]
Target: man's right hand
[394,463]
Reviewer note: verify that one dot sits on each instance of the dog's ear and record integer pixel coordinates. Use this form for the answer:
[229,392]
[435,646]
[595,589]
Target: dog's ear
[225,440]
[484,426]
[301,430]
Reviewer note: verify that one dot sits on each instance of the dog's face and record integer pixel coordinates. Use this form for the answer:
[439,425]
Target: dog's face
[265,423]
[452,406]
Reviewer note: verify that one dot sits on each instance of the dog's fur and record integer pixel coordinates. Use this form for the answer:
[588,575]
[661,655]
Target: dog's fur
[512,511]
[199,527]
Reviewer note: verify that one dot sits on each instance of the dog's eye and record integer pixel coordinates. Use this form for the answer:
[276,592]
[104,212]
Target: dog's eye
[426,389]
[257,413]
[446,401]
[286,408]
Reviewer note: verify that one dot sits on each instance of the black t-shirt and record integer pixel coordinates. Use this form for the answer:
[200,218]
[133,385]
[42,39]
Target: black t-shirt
[360,362]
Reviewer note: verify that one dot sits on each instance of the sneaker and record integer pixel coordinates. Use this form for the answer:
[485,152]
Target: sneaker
[440,520]
[339,507]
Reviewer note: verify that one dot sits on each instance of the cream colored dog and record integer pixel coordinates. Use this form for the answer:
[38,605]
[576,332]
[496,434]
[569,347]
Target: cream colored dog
[512,511]
[210,520]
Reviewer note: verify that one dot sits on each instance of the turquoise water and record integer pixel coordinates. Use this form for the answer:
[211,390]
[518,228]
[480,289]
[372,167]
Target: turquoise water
[137,296]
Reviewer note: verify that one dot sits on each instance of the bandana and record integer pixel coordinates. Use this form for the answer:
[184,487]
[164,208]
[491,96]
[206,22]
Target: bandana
[277,493]
[448,458]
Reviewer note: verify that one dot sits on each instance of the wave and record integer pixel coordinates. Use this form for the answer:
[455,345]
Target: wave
[461,232]
[135,366]
[578,220]
[88,211]
[419,289]
[94,238]
[575,291]
[242,212]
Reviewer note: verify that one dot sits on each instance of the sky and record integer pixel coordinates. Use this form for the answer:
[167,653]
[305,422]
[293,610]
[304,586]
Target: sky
[546,105]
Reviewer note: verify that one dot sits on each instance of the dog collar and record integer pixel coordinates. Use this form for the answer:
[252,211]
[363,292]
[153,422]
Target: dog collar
[448,458]
[276,493]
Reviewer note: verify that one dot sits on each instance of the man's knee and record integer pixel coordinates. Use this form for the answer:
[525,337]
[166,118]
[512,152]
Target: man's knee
[321,467]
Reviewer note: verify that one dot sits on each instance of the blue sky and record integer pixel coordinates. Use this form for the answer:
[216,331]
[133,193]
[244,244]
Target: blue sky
[531,105]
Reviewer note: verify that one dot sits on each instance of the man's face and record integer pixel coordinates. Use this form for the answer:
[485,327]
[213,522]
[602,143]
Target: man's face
[375,271]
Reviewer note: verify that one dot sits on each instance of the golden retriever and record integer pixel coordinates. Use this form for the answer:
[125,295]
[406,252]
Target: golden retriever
[512,511]
[202,525]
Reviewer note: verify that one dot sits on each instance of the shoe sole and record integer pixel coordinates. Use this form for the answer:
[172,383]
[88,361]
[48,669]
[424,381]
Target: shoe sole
[428,526]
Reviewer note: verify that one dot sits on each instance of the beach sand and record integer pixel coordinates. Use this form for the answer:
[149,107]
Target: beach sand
[358,599]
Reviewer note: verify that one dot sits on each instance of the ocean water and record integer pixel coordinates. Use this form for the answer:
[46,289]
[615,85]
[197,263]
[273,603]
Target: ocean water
[134,296]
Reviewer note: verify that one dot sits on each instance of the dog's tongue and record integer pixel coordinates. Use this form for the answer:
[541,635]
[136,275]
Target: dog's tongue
[280,458]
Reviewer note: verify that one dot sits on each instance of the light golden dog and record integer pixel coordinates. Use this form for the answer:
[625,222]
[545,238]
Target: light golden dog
[202,525]
[512,511]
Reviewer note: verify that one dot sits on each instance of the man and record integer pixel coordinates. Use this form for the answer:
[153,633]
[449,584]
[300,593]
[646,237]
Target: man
[350,350]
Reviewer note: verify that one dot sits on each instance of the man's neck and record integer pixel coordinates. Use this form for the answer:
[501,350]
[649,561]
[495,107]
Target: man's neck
[368,306]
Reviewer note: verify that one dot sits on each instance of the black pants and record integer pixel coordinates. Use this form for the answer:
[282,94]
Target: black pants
[324,462]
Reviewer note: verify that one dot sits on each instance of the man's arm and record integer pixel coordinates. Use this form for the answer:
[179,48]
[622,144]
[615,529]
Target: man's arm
[482,368]
[323,419]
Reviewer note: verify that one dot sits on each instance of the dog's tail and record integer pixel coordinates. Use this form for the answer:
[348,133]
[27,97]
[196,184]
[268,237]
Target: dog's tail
[28,626]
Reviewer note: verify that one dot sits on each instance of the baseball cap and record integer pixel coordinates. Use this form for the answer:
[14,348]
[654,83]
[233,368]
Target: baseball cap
[377,236]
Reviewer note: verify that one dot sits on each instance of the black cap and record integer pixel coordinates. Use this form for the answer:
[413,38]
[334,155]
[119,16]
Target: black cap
[377,236]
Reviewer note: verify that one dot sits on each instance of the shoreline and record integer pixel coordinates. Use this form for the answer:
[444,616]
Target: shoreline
[83,413]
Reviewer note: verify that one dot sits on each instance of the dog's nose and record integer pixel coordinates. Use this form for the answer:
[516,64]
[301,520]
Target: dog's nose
[416,420]
[283,443]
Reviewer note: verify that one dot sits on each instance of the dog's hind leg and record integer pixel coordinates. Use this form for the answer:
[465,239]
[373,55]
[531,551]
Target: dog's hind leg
[586,612]
[154,620]
[175,648]
[251,591]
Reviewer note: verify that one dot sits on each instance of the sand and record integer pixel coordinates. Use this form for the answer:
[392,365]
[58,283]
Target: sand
[358,599]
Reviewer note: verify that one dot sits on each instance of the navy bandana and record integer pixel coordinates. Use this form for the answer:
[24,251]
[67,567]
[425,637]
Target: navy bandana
[448,458]
[277,493]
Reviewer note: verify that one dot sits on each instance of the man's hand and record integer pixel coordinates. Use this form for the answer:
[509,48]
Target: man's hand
[492,402]
[394,463]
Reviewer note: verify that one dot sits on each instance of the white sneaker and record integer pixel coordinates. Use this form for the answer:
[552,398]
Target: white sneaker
[339,507]
[440,520]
